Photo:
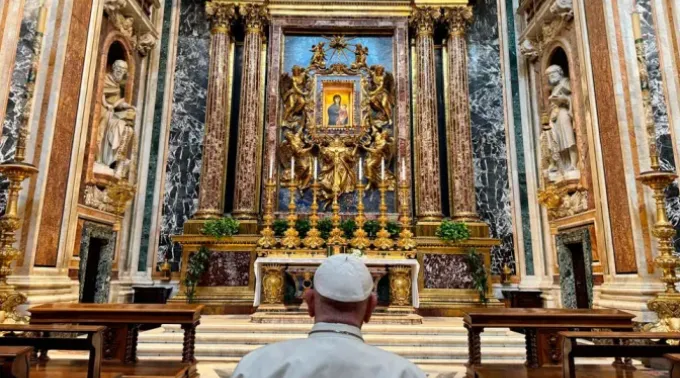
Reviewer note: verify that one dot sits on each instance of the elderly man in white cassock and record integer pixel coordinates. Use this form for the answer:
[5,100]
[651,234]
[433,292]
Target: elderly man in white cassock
[340,302]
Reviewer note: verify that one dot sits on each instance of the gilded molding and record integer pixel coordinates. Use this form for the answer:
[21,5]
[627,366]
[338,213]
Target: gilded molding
[221,15]
[423,20]
[457,19]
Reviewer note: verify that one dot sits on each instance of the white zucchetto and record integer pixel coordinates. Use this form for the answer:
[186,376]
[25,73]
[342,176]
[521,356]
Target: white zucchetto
[343,278]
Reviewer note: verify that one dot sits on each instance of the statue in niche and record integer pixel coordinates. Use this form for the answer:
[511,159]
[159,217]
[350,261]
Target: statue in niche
[381,148]
[381,94]
[337,168]
[319,56]
[360,55]
[295,145]
[564,148]
[116,127]
[293,93]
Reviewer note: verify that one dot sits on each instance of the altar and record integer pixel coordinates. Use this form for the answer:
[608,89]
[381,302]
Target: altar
[401,274]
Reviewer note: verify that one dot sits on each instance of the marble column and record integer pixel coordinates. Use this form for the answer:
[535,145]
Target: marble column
[220,15]
[428,189]
[248,163]
[459,139]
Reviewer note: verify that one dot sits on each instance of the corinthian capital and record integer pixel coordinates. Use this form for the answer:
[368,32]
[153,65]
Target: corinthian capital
[423,19]
[255,17]
[457,19]
[220,14]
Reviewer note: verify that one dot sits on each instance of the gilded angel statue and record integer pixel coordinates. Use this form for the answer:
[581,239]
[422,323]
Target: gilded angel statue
[381,148]
[295,145]
[360,55]
[293,94]
[319,57]
[381,93]
[338,168]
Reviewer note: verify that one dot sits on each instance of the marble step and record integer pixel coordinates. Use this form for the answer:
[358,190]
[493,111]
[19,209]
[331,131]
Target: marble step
[208,352]
[373,339]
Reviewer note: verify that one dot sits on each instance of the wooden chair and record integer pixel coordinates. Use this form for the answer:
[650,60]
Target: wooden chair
[572,349]
[39,337]
[15,362]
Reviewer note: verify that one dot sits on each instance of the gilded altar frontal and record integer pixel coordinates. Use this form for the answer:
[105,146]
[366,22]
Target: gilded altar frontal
[209,156]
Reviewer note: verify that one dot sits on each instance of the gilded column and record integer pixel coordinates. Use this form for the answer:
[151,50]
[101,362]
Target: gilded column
[459,139]
[250,115]
[428,189]
[220,14]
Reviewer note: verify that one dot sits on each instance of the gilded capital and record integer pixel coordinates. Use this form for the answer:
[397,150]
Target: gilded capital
[220,14]
[255,17]
[423,20]
[457,19]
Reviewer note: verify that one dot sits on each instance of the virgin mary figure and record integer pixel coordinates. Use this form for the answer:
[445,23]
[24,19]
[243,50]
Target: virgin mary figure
[337,112]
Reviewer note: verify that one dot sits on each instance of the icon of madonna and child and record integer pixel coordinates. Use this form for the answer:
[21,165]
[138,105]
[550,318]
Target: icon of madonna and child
[338,112]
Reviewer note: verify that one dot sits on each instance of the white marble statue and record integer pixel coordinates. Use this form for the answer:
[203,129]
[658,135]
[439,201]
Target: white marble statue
[564,148]
[116,127]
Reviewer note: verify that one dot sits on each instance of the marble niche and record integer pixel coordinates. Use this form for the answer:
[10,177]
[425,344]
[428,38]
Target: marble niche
[97,242]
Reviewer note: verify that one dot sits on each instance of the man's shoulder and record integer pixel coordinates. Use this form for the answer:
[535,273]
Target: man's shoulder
[395,361]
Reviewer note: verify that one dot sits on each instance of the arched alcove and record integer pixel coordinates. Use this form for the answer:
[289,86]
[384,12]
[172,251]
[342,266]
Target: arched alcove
[559,57]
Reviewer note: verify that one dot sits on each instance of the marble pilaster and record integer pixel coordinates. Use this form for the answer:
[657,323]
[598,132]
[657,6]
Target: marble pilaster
[246,193]
[215,142]
[459,139]
[428,189]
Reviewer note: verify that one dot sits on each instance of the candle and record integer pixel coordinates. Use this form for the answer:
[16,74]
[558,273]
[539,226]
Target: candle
[403,169]
[637,28]
[271,167]
[292,167]
[316,167]
[382,169]
[361,169]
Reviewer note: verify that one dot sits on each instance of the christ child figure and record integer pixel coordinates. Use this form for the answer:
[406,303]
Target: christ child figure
[342,116]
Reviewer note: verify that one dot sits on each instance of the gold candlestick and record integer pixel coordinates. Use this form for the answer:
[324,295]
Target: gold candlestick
[665,304]
[268,239]
[16,171]
[336,236]
[383,240]
[313,239]
[406,241]
[291,238]
[360,239]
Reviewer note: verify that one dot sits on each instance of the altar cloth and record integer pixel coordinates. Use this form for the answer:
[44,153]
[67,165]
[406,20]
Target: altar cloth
[317,261]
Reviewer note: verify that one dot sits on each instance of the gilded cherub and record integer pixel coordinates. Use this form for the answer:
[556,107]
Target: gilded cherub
[360,55]
[319,57]
[381,148]
[293,95]
[381,93]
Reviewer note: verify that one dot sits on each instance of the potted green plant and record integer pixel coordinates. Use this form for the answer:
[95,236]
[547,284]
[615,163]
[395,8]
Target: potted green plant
[280,226]
[393,228]
[480,282]
[325,226]
[220,228]
[453,232]
[371,227]
[303,226]
[348,226]
[196,266]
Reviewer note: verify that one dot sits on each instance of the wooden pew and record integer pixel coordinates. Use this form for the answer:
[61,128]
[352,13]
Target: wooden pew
[572,349]
[123,322]
[674,359]
[15,361]
[540,327]
[39,337]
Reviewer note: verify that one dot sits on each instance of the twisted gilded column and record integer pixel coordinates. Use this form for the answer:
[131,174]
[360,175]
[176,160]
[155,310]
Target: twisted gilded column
[428,189]
[220,14]
[248,160]
[459,139]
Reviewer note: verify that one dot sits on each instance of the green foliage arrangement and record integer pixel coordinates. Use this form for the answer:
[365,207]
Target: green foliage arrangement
[198,262]
[348,226]
[372,227]
[393,228]
[303,226]
[479,274]
[280,226]
[453,231]
[325,226]
[220,228]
